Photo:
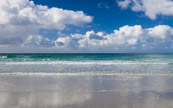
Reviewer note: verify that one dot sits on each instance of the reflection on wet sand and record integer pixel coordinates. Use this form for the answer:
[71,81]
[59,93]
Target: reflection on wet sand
[66,91]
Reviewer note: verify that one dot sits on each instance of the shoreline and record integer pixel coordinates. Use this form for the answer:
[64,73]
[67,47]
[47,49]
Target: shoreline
[86,74]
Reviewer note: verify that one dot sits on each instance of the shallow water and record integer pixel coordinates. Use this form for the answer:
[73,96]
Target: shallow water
[86,81]
[86,63]
[85,91]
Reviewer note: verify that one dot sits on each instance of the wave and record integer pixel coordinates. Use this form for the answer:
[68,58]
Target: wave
[85,59]
[85,63]
[3,57]
[130,57]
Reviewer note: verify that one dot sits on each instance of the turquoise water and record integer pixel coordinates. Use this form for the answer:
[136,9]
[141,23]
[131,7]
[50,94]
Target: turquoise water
[87,63]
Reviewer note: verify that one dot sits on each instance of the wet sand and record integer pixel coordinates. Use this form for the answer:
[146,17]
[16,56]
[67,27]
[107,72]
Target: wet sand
[85,91]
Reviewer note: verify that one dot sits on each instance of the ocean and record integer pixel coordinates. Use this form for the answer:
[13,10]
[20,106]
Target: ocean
[100,64]
[86,81]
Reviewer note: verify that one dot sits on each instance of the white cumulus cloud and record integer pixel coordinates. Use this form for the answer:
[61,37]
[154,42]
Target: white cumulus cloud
[126,37]
[152,8]
[22,18]
[38,41]
[162,31]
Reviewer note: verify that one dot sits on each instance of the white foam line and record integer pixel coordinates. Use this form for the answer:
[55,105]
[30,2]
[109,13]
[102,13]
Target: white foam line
[84,63]
[85,74]
[7,83]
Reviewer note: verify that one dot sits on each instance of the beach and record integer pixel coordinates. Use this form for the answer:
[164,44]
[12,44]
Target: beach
[85,91]
[86,81]
[86,53]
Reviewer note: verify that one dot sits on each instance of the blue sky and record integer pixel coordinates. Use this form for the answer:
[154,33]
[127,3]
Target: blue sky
[108,19]
[82,26]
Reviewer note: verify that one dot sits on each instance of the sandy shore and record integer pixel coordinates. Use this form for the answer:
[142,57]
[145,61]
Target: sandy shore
[85,91]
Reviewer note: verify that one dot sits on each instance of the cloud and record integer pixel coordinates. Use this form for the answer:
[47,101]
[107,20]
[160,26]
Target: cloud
[162,31]
[22,18]
[38,41]
[63,41]
[151,8]
[103,5]
[25,12]
[124,4]
[126,35]
[125,38]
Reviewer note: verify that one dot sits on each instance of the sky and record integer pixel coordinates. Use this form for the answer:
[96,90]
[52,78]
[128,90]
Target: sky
[86,26]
